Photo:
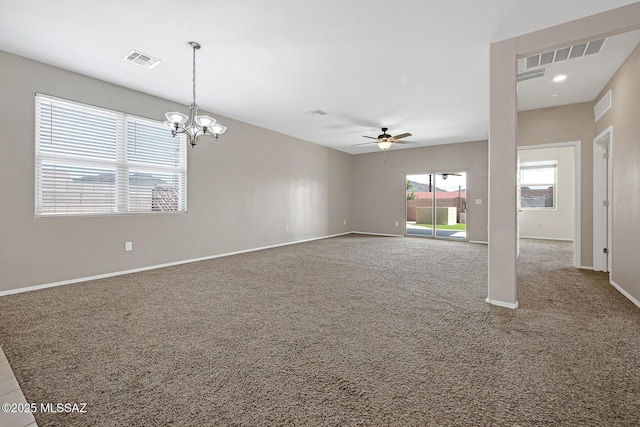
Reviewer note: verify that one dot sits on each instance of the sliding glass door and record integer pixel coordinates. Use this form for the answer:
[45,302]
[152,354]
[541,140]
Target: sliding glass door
[437,205]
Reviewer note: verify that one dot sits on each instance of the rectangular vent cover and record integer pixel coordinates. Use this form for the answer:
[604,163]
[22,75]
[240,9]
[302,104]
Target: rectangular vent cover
[532,74]
[563,54]
[602,106]
[141,59]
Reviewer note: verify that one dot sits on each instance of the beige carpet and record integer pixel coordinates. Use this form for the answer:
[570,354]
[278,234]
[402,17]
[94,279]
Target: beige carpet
[354,330]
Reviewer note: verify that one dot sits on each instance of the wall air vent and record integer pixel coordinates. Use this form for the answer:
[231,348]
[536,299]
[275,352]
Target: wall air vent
[602,106]
[141,59]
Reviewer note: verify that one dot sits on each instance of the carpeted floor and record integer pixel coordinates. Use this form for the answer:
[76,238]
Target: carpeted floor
[353,330]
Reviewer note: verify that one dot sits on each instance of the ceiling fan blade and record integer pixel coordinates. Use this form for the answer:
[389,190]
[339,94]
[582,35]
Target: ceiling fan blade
[363,143]
[404,135]
[370,137]
[406,142]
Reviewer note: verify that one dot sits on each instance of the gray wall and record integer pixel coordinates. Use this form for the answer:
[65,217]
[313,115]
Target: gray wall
[567,123]
[243,190]
[624,116]
[379,185]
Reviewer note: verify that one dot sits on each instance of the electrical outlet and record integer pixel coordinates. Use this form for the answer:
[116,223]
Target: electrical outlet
[345,222]
[286,228]
[128,246]
[396,223]
[478,201]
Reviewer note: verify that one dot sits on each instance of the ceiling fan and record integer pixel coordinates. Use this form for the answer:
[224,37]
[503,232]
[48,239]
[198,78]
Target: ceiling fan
[385,141]
[446,175]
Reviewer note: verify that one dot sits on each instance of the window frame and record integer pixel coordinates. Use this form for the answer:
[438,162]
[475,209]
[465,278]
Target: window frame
[537,165]
[119,164]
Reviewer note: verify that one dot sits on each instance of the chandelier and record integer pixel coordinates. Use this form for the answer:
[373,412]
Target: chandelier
[193,125]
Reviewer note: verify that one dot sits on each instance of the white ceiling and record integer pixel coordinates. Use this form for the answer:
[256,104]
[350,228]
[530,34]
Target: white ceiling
[419,66]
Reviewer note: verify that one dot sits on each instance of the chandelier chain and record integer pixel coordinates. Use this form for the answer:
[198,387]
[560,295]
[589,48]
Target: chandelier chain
[194,75]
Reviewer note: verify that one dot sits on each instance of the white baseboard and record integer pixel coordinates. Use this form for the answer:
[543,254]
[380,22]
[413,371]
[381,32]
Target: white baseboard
[502,303]
[479,242]
[625,293]
[585,267]
[377,234]
[153,267]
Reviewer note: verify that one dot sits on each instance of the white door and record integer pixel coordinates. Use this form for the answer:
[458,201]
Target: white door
[518,205]
[605,209]
[602,201]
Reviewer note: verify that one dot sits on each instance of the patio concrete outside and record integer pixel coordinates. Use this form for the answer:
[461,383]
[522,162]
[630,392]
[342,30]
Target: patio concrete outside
[416,230]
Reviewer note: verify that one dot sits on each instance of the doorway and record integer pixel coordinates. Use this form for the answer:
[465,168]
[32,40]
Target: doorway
[436,205]
[575,199]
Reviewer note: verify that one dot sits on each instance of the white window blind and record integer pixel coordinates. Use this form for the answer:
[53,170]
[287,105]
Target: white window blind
[91,160]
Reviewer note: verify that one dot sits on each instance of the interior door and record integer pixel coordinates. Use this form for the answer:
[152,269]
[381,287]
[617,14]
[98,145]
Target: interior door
[518,205]
[605,209]
[601,202]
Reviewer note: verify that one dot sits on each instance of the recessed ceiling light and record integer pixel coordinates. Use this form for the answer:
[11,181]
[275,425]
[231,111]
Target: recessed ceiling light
[559,78]
[554,95]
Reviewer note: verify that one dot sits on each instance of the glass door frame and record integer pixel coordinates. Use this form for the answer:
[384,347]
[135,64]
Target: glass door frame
[434,198]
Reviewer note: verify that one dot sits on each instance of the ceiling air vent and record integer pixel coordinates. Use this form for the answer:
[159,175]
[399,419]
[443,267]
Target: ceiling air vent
[316,113]
[141,59]
[532,74]
[563,54]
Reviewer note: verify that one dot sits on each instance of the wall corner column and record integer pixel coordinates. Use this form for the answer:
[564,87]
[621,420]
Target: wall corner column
[502,282]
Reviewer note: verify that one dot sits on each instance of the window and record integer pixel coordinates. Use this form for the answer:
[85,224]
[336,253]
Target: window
[538,184]
[91,160]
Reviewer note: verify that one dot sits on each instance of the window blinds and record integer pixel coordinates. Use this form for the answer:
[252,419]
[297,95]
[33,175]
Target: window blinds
[91,160]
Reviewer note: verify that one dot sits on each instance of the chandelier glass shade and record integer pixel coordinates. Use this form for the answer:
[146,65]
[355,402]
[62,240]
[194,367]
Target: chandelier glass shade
[193,125]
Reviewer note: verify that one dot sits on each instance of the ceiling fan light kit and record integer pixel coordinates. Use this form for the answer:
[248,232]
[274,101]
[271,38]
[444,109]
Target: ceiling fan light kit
[384,145]
[385,141]
[193,125]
